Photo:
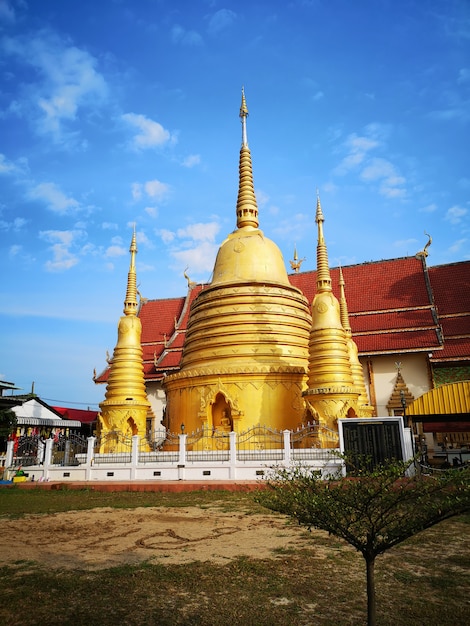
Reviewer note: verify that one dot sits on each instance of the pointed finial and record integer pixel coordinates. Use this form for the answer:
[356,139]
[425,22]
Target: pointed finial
[343,307]
[319,213]
[247,209]
[323,270]
[130,303]
[243,116]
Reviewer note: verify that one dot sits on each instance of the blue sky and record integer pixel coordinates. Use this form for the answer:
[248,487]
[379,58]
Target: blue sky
[126,111]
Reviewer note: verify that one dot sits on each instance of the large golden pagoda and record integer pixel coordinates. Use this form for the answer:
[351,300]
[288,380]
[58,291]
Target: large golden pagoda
[126,408]
[246,348]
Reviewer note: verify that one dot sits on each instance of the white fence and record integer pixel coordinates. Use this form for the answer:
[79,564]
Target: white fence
[247,456]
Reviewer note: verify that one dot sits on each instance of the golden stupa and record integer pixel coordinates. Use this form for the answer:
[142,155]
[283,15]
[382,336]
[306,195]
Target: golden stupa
[245,354]
[335,386]
[126,408]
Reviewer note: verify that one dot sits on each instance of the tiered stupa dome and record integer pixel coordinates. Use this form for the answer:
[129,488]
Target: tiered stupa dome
[246,348]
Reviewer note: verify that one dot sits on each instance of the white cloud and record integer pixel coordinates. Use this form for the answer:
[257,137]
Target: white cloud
[391,184]
[55,199]
[192,160]
[151,133]
[199,232]
[167,236]
[152,211]
[458,245]
[221,20]
[15,250]
[142,238]
[109,226]
[16,225]
[156,189]
[464,75]
[185,37]
[68,81]
[456,214]
[262,197]
[405,243]
[115,251]
[357,147]
[199,259]
[136,191]
[63,259]
[429,208]
[7,10]
[6,167]
[62,240]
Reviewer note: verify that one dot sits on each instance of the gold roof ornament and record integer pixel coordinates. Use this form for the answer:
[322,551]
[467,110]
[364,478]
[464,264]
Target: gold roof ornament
[296,262]
[424,252]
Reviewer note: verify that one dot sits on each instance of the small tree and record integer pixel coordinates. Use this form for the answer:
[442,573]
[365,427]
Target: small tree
[8,423]
[373,510]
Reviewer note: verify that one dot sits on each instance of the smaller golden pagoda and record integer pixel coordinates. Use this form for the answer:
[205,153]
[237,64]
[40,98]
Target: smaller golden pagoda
[126,408]
[331,391]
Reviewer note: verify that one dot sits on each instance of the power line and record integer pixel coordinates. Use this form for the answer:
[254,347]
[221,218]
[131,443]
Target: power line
[67,402]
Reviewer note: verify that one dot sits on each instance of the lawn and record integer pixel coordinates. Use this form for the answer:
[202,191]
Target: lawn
[424,581]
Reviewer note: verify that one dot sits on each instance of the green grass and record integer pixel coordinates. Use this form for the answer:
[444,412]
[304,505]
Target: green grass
[15,502]
[424,581]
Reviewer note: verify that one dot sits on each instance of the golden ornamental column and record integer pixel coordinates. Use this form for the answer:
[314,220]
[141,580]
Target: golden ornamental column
[126,408]
[331,393]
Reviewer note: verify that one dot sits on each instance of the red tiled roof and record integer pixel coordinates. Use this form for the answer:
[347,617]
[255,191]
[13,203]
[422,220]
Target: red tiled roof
[376,286]
[455,326]
[390,303]
[86,417]
[455,349]
[451,287]
[392,320]
[158,318]
[408,341]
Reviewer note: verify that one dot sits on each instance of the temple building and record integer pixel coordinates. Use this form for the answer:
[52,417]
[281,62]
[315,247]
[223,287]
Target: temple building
[259,346]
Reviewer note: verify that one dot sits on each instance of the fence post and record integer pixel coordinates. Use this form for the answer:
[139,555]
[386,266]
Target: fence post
[182,456]
[89,457]
[134,456]
[47,457]
[287,448]
[10,453]
[233,454]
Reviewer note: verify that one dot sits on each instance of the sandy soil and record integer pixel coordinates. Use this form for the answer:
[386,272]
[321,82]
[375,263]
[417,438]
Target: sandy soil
[107,537]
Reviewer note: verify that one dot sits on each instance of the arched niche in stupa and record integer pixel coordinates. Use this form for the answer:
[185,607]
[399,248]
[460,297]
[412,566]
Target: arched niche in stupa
[221,413]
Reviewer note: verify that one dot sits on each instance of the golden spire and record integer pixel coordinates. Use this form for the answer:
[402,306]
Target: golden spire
[126,407]
[343,306]
[323,271]
[365,409]
[130,303]
[247,209]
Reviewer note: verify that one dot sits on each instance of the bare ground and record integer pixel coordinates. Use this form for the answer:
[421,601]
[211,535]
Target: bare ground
[107,537]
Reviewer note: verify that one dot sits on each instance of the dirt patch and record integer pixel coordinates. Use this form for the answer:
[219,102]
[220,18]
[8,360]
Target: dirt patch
[106,537]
